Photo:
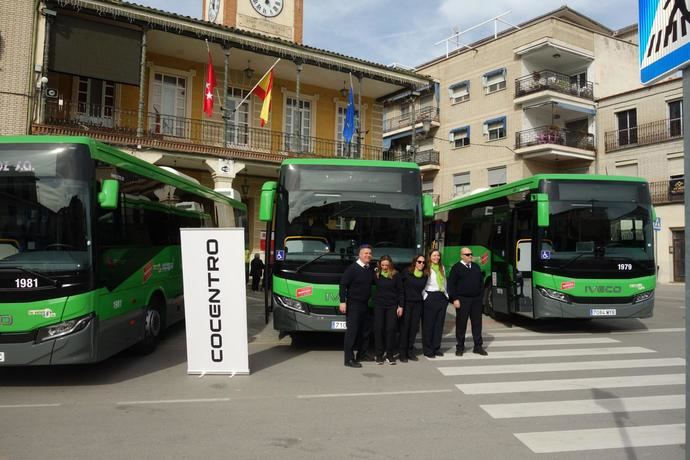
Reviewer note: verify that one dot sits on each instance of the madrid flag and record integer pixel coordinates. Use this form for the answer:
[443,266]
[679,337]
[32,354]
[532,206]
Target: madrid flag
[263,92]
[209,87]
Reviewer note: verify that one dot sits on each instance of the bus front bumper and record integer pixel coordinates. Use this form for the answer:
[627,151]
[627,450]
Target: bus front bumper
[545,307]
[75,348]
[287,320]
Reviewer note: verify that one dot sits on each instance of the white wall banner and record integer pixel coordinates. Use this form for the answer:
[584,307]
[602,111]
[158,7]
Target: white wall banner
[215,300]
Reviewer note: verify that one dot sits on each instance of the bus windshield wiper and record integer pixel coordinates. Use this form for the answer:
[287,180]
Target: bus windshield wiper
[52,281]
[298,269]
[569,261]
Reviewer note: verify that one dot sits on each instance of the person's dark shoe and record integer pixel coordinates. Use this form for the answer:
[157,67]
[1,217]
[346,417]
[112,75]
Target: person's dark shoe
[352,363]
[413,357]
[438,353]
[480,351]
[365,358]
[459,352]
[430,355]
[391,361]
[379,360]
[403,358]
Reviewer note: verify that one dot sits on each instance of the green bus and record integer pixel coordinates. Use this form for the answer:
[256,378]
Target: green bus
[321,211]
[557,245]
[90,258]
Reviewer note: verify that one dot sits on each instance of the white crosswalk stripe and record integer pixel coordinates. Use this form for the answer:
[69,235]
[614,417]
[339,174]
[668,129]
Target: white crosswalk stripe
[534,355]
[547,353]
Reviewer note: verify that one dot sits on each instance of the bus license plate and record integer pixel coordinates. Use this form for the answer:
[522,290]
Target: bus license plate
[2,356]
[602,312]
[338,325]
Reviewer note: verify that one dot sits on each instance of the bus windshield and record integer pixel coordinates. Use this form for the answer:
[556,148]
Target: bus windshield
[44,207]
[328,214]
[597,228]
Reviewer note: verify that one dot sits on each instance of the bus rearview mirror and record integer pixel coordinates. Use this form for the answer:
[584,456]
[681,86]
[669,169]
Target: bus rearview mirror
[107,197]
[268,195]
[427,206]
[542,200]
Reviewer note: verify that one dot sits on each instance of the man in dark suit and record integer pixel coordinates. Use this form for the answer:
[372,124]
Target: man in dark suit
[256,270]
[465,286]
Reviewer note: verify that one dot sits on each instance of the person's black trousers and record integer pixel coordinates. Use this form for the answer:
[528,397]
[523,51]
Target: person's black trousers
[470,307]
[409,328]
[433,317]
[255,282]
[385,329]
[356,317]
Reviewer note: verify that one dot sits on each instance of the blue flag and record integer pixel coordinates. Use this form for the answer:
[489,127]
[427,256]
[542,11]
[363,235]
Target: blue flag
[349,126]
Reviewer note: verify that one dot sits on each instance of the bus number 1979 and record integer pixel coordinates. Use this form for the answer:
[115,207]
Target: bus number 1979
[625,267]
[26,283]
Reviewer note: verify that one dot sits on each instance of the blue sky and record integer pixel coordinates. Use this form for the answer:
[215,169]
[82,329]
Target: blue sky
[404,31]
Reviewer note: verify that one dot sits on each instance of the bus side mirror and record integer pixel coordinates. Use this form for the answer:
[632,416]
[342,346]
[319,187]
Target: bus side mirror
[542,200]
[107,197]
[427,206]
[268,195]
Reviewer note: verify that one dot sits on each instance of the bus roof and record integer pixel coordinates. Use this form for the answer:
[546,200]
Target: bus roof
[124,160]
[349,162]
[521,185]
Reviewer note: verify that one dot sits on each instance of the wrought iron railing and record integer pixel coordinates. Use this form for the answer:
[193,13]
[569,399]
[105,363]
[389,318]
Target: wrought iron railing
[667,191]
[98,119]
[422,158]
[404,121]
[554,135]
[549,80]
[645,134]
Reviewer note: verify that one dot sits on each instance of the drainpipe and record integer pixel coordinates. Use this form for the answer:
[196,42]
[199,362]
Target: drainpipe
[226,114]
[44,66]
[359,118]
[298,64]
[142,76]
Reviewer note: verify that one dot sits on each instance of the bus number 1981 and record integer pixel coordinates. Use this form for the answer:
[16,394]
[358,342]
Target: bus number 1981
[26,283]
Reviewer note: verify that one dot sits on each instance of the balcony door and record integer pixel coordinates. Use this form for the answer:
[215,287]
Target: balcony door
[627,127]
[94,101]
[238,123]
[169,100]
[675,116]
[298,118]
[342,149]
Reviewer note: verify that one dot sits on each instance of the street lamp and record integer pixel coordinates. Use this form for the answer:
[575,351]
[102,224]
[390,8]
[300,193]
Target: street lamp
[248,72]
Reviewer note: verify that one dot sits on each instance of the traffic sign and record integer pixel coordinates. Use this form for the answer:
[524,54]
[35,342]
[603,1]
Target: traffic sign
[664,28]
[657,224]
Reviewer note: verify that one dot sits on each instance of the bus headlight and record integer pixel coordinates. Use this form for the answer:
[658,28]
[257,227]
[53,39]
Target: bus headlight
[555,295]
[291,304]
[643,296]
[64,328]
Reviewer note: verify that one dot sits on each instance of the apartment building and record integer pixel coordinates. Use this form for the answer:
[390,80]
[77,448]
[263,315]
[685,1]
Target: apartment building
[134,77]
[520,102]
[642,135]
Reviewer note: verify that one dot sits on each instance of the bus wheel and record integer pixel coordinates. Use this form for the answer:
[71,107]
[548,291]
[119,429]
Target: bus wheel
[152,329]
[488,302]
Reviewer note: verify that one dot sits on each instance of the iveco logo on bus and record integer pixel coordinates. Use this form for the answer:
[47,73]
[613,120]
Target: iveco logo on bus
[603,289]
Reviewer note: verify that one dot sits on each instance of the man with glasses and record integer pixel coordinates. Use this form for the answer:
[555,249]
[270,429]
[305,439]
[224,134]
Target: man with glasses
[465,286]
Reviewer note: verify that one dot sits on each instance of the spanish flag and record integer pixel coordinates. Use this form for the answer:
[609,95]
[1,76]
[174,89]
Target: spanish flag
[263,91]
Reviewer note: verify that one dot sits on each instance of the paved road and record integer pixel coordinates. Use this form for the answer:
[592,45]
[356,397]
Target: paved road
[602,389]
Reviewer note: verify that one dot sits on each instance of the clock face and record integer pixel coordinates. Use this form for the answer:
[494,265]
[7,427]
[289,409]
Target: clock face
[212,10]
[268,8]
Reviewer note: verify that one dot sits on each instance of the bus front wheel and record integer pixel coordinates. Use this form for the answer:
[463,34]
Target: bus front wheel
[153,325]
[488,302]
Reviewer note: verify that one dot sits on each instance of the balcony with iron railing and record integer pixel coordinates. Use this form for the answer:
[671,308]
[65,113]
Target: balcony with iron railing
[115,125]
[428,114]
[422,158]
[667,191]
[551,135]
[545,80]
[645,134]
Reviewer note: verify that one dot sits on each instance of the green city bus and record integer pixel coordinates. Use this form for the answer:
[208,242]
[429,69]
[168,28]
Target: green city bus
[321,211]
[90,259]
[557,245]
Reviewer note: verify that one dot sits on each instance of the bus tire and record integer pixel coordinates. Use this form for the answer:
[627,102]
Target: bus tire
[488,302]
[153,326]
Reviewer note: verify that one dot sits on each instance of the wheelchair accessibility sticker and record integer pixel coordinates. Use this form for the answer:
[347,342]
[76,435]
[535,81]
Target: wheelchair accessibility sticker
[280,254]
[545,255]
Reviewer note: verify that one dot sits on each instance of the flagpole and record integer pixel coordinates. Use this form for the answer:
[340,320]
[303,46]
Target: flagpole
[257,84]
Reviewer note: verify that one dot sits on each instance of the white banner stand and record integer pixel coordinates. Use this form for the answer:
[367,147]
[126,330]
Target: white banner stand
[215,300]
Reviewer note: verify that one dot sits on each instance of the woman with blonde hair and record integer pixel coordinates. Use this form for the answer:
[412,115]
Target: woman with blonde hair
[435,305]
[387,309]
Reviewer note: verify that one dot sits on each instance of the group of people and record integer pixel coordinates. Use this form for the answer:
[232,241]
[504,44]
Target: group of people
[421,292]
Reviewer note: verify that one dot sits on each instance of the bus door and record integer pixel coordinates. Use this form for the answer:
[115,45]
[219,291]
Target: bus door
[522,283]
[500,273]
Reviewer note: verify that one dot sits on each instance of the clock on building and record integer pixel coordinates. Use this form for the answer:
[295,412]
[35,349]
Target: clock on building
[268,8]
[212,10]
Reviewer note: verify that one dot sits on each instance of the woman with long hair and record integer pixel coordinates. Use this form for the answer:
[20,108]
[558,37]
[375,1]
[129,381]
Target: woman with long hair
[413,282]
[387,309]
[435,305]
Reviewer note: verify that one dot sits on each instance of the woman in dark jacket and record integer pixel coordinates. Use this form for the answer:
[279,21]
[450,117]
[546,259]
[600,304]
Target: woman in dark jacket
[413,281]
[435,305]
[387,309]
